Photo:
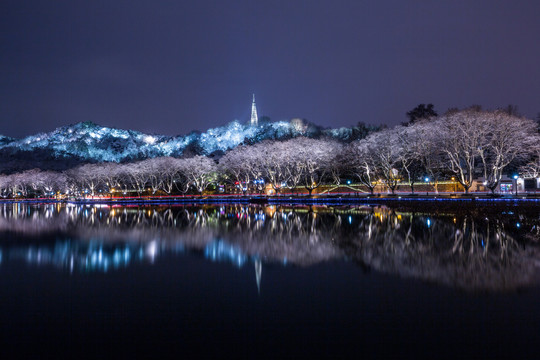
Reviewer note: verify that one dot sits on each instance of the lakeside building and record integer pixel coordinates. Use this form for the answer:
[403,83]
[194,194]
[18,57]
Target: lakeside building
[508,184]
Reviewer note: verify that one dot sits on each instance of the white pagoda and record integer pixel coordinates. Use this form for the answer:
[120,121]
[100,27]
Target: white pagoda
[254,117]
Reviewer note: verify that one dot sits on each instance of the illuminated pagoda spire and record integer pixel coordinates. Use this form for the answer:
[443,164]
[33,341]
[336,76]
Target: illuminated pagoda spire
[254,117]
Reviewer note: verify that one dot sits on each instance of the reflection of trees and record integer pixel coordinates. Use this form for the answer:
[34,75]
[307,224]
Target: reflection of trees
[296,235]
[471,249]
[282,235]
[464,251]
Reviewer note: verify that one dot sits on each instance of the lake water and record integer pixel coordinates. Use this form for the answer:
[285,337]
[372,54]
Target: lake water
[429,279]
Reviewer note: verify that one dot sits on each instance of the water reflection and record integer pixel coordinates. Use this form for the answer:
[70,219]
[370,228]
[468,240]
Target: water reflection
[474,249]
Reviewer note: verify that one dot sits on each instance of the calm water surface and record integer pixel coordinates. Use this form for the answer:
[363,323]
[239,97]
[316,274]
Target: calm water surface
[270,281]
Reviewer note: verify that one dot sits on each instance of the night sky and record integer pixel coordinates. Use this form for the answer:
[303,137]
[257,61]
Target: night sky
[169,67]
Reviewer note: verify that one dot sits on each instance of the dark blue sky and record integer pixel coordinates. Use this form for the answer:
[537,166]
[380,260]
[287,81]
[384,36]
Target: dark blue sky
[169,67]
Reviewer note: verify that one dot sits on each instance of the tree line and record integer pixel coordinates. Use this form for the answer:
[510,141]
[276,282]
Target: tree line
[464,145]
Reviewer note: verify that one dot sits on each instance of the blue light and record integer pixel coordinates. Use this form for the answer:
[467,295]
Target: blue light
[518,225]
[348,182]
[428,223]
[516,177]
[426,179]
[350,220]
[220,251]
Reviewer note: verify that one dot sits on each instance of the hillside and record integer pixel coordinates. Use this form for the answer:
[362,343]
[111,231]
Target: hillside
[71,145]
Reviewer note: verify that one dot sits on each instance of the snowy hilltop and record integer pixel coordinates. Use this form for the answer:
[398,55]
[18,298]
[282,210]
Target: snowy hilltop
[85,142]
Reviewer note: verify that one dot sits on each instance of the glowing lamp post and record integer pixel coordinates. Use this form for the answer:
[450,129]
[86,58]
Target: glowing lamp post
[515,181]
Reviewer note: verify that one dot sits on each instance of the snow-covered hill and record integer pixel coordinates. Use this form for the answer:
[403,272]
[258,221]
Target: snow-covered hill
[89,142]
[4,140]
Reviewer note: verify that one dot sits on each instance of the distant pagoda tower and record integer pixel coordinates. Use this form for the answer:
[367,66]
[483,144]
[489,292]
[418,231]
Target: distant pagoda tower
[254,117]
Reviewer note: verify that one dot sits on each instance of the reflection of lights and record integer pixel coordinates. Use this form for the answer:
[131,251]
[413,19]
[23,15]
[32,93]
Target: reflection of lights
[63,254]
[220,250]
[102,255]
[152,249]
[518,225]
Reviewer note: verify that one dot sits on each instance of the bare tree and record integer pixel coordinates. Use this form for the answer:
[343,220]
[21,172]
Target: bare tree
[112,176]
[20,184]
[426,146]
[531,169]
[200,172]
[488,140]
[385,151]
[360,157]
[410,143]
[237,167]
[87,177]
[313,159]
[509,138]
[168,169]
[4,185]
[271,158]
[151,171]
[463,133]
[51,182]
[136,176]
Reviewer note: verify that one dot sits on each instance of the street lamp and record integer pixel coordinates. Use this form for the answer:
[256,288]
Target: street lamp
[515,180]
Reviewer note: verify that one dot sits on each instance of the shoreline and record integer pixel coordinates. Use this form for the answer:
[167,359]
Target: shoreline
[286,199]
